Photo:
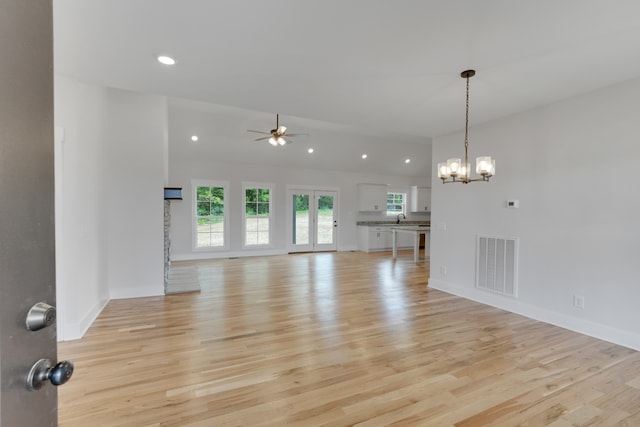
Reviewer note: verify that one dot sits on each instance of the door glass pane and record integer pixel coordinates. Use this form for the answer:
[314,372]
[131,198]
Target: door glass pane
[301,219]
[325,220]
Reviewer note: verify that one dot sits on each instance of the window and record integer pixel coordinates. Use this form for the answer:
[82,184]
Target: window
[257,215]
[210,215]
[396,203]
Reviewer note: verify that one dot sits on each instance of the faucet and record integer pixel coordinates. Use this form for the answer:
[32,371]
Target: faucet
[398,217]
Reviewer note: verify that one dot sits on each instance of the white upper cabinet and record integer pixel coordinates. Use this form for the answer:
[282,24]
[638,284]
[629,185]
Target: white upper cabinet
[420,199]
[372,197]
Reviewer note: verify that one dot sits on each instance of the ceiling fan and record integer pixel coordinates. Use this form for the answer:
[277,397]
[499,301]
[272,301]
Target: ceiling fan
[277,136]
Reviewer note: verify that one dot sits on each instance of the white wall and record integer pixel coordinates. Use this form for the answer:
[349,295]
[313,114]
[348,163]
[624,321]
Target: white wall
[183,169]
[81,240]
[134,188]
[109,205]
[573,167]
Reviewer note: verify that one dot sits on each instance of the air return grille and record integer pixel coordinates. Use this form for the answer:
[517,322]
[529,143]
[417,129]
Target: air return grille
[497,265]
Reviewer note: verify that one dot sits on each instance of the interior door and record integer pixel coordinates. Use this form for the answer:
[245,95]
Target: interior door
[27,249]
[313,220]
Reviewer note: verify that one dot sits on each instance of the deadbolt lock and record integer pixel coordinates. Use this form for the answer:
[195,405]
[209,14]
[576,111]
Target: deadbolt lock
[40,316]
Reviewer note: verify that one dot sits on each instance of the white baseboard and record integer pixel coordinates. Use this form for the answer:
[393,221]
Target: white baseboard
[75,331]
[227,254]
[138,292]
[193,256]
[586,327]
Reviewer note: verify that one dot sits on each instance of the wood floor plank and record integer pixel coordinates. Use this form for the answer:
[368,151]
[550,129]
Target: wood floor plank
[337,339]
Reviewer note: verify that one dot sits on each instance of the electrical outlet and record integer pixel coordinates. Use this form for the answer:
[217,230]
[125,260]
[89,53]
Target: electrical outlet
[578,301]
[443,270]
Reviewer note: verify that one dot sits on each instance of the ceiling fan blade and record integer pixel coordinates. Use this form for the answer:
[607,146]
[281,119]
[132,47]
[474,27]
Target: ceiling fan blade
[258,131]
[297,134]
[262,139]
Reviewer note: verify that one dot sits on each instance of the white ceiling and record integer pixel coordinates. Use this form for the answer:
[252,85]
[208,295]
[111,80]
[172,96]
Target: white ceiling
[355,67]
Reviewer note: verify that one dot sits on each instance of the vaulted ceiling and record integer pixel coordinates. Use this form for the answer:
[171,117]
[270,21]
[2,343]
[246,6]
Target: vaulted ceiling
[386,70]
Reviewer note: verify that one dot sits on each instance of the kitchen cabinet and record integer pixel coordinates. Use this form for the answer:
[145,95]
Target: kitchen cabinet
[379,238]
[420,199]
[372,197]
[373,238]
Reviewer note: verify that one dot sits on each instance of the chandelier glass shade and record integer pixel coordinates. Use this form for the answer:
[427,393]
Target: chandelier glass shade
[459,170]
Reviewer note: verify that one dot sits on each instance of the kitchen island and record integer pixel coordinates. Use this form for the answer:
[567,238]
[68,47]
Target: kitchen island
[416,230]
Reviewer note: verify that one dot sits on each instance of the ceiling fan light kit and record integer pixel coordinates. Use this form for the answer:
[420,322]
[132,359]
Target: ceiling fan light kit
[276,136]
[454,170]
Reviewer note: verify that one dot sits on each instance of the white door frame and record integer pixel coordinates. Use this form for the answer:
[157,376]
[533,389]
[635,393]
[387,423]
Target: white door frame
[314,192]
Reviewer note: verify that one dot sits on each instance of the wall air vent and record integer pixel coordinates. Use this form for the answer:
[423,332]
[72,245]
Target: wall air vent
[497,265]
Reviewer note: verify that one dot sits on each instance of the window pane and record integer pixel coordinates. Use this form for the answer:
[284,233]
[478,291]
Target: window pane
[263,209]
[262,224]
[217,194]
[251,239]
[324,226]
[301,219]
[204,193]
[263,194]
[250,209]
[217,239]
[204,226]
[204,240]
[251,195]
[217,209]
[251,231]
[204,208]
[263,238]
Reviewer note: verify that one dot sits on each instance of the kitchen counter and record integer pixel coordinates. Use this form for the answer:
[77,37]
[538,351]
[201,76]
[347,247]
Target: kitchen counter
[392,223]
[416,230]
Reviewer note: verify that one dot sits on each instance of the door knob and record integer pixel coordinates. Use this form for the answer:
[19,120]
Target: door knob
[44,370]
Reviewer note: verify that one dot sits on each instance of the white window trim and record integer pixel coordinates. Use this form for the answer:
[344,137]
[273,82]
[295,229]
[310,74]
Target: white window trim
[194,226]
[271,188]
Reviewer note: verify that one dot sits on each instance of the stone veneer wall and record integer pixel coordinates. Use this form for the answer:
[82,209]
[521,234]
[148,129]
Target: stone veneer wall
[167,243]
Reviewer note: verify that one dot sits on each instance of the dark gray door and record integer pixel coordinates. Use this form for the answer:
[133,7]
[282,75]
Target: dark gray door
[27,257]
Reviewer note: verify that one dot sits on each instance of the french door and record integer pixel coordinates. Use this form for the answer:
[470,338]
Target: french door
[313,220]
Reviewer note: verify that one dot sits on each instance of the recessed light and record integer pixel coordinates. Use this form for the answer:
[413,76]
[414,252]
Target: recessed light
[364,156]
[407,161]
[310,150]
[194,138]
[166,60]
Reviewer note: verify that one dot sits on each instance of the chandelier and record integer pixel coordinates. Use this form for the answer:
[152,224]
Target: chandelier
[453,170]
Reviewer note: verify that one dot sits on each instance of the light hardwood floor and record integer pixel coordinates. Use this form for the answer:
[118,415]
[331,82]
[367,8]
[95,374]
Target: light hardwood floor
[337,339]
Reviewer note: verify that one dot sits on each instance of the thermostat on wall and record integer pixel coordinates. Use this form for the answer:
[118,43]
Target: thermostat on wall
[513,204]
